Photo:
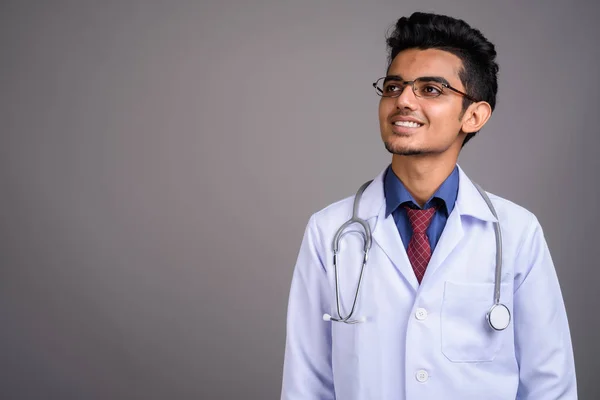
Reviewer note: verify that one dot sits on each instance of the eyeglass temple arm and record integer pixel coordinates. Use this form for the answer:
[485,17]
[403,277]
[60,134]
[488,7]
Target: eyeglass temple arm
[376,88]
[459,92]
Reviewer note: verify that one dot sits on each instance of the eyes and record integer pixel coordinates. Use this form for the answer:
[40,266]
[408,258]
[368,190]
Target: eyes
[428,89]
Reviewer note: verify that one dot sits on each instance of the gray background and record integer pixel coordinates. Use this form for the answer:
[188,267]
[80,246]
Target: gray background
[159,162]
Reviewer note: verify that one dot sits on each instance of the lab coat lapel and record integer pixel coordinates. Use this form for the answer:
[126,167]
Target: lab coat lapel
[388,239]
[451,235]
[384,230]
[468,203]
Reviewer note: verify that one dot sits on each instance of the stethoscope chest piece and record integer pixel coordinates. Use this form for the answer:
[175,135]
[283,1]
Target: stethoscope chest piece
[498,317]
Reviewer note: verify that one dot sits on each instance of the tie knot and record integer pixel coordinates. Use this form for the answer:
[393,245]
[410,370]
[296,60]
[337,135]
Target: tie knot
[420,219]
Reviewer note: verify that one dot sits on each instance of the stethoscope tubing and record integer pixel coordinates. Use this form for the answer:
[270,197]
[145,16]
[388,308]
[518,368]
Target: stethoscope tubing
[367,240]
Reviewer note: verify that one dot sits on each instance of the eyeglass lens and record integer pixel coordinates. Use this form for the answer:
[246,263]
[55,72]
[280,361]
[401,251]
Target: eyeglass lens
[421,88]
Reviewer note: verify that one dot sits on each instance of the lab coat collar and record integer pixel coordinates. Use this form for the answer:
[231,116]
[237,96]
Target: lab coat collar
[468,202]
[385,233]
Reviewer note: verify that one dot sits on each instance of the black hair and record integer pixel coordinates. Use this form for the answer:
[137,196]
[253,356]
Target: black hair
[432,31]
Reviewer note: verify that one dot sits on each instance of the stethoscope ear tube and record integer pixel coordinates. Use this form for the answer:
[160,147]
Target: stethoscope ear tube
[327,317]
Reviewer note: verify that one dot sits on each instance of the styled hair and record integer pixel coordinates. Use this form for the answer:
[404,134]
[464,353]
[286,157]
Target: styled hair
[479,74]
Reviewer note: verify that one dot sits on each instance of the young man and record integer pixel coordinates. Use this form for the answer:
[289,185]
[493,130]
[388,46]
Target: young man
[438,314]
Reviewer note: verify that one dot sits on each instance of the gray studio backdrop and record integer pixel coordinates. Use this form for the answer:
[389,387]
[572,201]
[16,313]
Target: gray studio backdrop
[159,162]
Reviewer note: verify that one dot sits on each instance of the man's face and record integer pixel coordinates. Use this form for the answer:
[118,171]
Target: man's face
[439,122]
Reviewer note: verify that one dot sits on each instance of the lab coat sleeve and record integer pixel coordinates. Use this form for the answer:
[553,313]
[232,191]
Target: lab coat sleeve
[542,338]
[307,370]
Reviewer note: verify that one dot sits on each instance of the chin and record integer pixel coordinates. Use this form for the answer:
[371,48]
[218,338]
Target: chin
[402,149]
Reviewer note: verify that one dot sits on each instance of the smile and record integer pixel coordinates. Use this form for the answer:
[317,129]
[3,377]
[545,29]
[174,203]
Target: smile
[408,124]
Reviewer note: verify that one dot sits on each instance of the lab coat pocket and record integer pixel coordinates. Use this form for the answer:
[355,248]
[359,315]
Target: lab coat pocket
[466,334]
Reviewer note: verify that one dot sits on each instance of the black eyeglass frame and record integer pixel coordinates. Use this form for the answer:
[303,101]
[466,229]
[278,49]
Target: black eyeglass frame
[412,84]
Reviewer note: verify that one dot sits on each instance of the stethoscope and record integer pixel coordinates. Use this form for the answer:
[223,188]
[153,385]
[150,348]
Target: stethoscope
[498,316]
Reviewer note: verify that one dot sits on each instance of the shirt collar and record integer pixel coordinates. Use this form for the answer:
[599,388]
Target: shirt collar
[396,193]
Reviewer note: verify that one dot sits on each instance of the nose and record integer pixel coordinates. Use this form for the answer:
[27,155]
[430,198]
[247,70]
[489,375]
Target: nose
[407,98]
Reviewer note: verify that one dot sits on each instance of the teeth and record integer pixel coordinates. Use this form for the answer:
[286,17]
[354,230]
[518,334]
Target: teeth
[408,124]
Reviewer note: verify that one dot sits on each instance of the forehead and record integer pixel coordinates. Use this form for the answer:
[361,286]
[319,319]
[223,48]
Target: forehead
[413,63]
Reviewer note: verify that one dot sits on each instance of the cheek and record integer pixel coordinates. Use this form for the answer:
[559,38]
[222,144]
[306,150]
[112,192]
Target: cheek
[444,117]
[384,110]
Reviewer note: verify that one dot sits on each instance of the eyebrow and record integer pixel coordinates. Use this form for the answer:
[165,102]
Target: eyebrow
[438,79]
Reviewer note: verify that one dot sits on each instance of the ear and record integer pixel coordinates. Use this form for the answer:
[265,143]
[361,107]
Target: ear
[476,116]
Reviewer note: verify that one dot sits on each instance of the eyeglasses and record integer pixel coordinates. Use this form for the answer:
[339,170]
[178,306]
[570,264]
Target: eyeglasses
[424,87]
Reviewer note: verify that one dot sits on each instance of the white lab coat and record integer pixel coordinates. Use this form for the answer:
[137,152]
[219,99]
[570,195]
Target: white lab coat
[428,341]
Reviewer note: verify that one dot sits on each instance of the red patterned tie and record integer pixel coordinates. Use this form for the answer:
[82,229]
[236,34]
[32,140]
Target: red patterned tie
[419,250]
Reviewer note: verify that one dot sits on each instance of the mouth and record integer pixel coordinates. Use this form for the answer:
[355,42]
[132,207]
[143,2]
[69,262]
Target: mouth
[404,128]
[407,124]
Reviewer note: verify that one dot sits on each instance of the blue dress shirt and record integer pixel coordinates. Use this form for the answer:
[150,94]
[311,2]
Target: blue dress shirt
[396,196]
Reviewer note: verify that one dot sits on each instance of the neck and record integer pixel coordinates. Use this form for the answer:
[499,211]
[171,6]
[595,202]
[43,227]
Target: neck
[422,175]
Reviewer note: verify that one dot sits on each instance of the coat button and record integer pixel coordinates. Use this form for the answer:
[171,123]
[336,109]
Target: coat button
[421,314]
[422,375]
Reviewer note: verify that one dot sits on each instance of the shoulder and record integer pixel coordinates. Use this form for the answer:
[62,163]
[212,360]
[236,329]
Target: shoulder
[519,225]
[334,213]
[321,227]
[511,212]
